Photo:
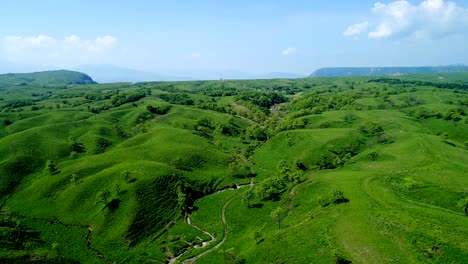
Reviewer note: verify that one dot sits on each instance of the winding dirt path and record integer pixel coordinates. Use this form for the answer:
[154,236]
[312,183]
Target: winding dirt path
[212,238]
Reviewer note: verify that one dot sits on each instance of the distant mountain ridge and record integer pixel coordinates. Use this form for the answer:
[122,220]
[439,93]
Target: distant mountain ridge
[373,71]
[59,77]
[104,73]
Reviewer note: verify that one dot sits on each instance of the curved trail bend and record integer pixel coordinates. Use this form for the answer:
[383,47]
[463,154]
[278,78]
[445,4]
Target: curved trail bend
[225,233]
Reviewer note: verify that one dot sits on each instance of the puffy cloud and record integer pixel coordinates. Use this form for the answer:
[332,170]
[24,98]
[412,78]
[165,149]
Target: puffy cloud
[101,43]
[69,50]
[15,43]
[428,19]
[356,29]
[289,51]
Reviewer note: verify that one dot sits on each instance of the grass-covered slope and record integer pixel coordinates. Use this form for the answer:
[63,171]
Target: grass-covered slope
[362,170]
[60,77]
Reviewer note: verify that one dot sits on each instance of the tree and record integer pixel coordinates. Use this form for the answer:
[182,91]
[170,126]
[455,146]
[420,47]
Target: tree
[247,198]
[257,236]
[177,163]
[125,176]
[51,167]
[117,189]
[337,197]
[103,197]
[74,178]
[182,201]
[464,205]
[277,215]
[76,146]
[322,200]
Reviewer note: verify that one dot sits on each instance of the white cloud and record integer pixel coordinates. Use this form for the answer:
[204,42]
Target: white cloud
[15,43]
[356,29]
[44,49]
[101,43]
[289,51]
[428,19]
[195,56]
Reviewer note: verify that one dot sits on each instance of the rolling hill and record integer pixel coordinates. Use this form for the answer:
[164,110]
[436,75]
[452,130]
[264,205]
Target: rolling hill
[60,77]
[310,170]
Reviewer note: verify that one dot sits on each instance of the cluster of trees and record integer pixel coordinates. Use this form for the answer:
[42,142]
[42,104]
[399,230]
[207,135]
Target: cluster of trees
[462,86]
[240,167]
[264,99]
[317,104]
[177,98]
[17,236]
[213,105]
[338,152]
[252,111]
[271,188]
[161,109]
[335,196]
[229,128]
[256,132]
[454,114]
[217,89]
[18,103]
[204,128]
[120,99]
[99,95]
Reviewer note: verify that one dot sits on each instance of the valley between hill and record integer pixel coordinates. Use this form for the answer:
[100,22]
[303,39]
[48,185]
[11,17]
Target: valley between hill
[312,170]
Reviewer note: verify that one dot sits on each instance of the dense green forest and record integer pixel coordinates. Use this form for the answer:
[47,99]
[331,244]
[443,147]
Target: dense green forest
[313,170]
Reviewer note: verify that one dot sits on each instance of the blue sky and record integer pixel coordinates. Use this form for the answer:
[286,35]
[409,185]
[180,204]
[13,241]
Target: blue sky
[183,37]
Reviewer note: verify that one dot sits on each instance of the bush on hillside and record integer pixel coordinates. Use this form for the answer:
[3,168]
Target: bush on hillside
[177,98]
[263,99]
[51,167]
[371,129]
[256,133]
[159,109]
[121,99]
[102,144]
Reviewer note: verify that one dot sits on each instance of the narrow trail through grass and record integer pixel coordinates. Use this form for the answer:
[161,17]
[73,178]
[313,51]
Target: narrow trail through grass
[212,238]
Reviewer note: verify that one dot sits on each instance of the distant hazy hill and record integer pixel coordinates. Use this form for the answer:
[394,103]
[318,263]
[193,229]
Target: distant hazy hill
[61,77]
[109,74]
[371,71]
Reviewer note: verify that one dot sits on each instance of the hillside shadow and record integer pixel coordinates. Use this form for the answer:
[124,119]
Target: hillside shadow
[257,205]
[340,201]
[114,204]
[343,261]
[132,180]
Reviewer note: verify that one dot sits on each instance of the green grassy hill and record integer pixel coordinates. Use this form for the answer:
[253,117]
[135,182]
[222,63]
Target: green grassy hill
[61,77]
[363,170]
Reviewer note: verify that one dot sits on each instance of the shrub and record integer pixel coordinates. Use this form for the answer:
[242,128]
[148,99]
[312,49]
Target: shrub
[102,144]
[51,167]
[373,156]
[159,109]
